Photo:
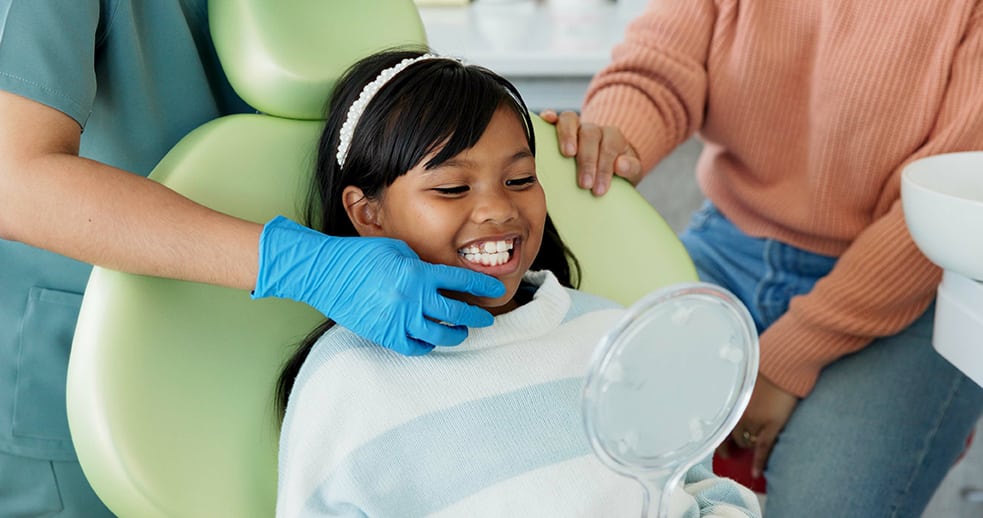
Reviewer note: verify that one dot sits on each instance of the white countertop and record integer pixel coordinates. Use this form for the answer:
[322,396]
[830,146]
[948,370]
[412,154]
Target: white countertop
[549,48]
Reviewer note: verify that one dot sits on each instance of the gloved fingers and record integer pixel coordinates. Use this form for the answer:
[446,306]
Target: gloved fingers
[449,311]
[461,279]
[412,347]
[434,333]
[398,246]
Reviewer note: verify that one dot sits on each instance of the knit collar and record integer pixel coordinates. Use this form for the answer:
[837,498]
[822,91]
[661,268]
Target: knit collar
[539,316]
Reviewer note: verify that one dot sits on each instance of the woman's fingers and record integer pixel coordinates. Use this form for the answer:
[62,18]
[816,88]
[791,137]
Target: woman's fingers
[568,132]
[762,449]
[629,167]
[744,437]
[588,151]
[601,151]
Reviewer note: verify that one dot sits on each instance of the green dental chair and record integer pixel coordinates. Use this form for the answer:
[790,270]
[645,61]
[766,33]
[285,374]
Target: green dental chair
[170,383]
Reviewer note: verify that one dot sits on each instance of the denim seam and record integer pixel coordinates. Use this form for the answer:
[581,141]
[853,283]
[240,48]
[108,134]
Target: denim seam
[759,288]
[772,276]
[922,455]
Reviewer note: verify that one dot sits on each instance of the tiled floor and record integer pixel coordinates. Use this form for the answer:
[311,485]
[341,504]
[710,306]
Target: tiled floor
[961,494]
[672,190]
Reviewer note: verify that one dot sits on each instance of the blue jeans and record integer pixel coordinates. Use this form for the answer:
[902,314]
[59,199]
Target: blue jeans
[882,426]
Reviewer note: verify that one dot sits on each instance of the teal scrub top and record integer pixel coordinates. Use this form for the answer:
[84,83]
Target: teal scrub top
[137,75]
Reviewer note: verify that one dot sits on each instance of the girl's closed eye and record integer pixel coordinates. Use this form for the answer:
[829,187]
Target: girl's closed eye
[523,182]
[455,190]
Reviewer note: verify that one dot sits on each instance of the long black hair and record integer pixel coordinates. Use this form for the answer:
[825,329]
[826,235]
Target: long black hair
[432,104]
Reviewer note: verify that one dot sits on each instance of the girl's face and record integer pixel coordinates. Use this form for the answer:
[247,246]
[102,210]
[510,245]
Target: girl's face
[483,209]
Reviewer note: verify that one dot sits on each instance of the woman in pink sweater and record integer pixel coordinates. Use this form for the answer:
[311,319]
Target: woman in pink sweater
[808,112]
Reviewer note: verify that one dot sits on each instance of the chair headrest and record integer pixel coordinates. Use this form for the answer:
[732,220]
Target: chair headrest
[284,57]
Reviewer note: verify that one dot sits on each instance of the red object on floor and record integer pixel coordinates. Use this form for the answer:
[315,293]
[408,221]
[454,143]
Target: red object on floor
[969,442]
[738,467]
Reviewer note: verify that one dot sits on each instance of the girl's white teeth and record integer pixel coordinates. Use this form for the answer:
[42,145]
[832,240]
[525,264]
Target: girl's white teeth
[489,253]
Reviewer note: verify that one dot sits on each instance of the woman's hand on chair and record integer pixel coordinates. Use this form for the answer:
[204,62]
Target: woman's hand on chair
[601,151]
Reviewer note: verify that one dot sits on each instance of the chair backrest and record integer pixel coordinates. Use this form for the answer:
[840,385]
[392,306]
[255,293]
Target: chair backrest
[170,383]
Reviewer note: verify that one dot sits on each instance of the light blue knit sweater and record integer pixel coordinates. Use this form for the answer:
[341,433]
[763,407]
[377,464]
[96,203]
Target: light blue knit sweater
[491,427]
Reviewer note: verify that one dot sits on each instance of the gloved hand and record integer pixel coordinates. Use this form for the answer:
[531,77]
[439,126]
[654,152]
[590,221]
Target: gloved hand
[377,287]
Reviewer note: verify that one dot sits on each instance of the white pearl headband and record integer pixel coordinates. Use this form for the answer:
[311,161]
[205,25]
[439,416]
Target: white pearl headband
[368,92]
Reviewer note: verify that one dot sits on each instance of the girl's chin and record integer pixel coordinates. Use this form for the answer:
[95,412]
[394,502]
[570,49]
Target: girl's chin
[495,306]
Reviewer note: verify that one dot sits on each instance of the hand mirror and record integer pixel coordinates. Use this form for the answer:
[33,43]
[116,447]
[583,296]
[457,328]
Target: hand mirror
[668,383]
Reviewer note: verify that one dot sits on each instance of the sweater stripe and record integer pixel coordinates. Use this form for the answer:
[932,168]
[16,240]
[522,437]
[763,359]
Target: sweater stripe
[491,427]
[499,438]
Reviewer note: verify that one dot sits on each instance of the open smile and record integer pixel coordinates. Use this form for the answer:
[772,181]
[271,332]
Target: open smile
[488,253]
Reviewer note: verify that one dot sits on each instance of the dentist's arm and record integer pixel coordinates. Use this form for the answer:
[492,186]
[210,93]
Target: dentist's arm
[53,199]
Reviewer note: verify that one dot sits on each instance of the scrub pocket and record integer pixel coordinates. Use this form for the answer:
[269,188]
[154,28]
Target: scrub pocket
[40,418]
[29,487]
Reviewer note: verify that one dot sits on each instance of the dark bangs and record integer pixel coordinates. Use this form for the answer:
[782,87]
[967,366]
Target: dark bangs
[437,105]
[433,104]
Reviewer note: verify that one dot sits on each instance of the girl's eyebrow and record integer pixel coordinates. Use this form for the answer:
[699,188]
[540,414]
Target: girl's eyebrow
[463,163]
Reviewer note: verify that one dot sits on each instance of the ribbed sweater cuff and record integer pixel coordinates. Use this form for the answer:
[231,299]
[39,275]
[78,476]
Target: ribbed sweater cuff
[793,354]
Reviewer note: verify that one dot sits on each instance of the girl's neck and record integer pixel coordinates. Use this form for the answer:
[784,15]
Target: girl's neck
[522,297]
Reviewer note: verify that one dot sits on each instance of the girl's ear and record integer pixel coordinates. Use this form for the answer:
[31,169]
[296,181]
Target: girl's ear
[363,212]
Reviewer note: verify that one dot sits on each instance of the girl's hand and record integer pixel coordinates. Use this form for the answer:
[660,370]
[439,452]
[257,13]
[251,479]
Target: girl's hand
[601,151]
[763,419]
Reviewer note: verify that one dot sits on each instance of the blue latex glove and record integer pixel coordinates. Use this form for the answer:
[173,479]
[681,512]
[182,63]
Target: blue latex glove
[377,287]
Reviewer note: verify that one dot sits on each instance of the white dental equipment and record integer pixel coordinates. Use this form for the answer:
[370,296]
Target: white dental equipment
[942,199]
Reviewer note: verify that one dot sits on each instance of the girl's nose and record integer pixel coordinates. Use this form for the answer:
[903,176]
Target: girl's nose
[494,206]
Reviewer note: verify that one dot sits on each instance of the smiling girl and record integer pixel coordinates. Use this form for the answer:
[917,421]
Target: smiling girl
[441,155]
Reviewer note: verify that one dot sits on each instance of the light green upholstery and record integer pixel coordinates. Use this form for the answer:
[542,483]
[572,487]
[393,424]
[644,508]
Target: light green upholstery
[625,248]
[170,383]
[282,56]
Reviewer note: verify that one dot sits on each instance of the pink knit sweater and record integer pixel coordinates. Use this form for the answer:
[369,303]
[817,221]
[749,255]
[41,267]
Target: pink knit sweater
[808,111]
